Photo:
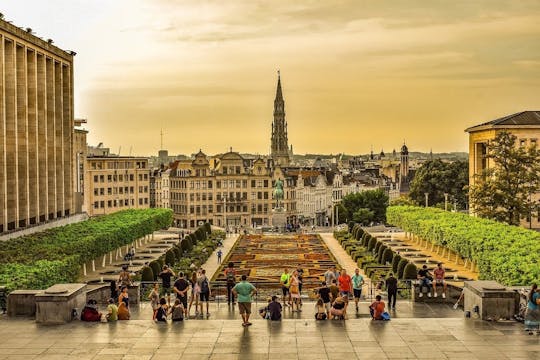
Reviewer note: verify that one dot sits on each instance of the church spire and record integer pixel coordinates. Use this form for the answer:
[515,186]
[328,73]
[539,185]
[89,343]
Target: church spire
[279,141]
[279,95]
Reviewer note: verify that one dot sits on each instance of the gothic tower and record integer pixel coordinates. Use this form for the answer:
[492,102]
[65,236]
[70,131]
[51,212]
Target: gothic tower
[279,142]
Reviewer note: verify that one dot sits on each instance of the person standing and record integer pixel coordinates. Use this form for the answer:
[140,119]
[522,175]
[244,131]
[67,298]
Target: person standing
[391,289]
[244,290]
[204,285]
[195,291]
[300,276]
[219,254]
[166,276]
[285,282]
[357,283]
[124,278]
[154,299]
[345,285]
[230,275]
[532,314]
[180,288]
[329,276]
[294,290]
[324,295]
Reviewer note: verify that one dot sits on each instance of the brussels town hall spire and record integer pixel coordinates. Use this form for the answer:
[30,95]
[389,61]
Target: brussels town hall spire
[279,142]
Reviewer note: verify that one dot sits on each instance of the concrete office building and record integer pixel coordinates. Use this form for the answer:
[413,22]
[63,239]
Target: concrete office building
[36,127]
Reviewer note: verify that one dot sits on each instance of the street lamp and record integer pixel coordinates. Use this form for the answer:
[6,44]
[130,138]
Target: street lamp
[426,194]
[445,201]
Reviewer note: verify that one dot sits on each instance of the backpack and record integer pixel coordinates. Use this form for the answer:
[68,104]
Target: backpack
[204,286]
[230,276]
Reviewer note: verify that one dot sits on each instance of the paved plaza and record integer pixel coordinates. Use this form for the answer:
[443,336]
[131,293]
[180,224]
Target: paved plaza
[219,338]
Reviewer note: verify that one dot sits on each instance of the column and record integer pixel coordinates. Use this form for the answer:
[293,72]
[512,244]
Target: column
[51,139]
[59,144]
[42,139]
[3,210]
[10,135]
[33,181]
[22,136]
[67,124]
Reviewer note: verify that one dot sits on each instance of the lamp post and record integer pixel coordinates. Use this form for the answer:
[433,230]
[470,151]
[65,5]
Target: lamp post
[445,201]
[426,194]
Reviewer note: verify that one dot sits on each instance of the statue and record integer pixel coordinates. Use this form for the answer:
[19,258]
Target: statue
[278,192]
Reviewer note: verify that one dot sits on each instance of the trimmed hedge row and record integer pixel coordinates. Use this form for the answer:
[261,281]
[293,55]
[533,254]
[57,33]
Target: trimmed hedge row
[42,259]
[508,254]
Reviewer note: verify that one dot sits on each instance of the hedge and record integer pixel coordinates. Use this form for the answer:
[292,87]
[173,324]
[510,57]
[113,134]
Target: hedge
[45,258]
[508,254]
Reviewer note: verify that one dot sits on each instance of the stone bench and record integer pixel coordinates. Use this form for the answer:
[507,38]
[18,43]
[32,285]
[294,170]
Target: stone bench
[56,304]
[22,302]
[490,300]
[453,291]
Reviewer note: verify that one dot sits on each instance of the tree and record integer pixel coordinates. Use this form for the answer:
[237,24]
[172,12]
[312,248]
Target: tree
[437,178]
[367,205]
[503,191]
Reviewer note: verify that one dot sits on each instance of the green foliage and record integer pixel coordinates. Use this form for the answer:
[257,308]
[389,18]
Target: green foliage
[503,190]
[410,272]
[147,274]
[395,262]
[177,253]
[170,259]
[42,259]
[372,243]
[401,267]
[508,254]
[380,253]
[436,178]
[387,256]
[366,206]
[378,245]
[156,268]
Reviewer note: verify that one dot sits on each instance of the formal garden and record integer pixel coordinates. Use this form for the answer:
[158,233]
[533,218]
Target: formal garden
[54,256]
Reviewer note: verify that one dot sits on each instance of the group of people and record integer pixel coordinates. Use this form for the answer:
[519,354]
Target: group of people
[117,309]
[195,290]
[426,279]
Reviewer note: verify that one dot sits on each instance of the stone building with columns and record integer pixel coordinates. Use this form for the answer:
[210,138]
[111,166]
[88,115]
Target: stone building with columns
[36,118]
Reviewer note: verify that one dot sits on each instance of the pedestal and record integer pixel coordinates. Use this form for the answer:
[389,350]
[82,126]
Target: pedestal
[279,219]
[491,300]
[55,305]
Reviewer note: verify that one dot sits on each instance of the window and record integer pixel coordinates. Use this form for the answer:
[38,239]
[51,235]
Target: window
[265,183]
[224,170]
[244,184]
[96,178]
[131,177]
[209,184]
[253,183]
[238,170]
[218,184]
[522,142]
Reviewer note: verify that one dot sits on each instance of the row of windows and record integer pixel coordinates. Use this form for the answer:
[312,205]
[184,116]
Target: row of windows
[225,184]
[118,203]
[119,178]
[119,190]
[99,165]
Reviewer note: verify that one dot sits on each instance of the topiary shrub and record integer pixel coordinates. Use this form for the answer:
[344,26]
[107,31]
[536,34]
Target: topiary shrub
[364,240]
[177,253]
[395,262]
[161,261]
[372,243]
[410,272]
[156,269]
[147,274]
[380,253]
[359,233]
[377,246]
[387,256]
[170,259]
[401,267]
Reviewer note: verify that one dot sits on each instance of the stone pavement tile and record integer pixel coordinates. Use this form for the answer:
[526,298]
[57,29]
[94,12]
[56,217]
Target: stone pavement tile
[335,355]
[167,356]
[204,349]
[137,357]
[282,356]
[448,345]
[227,349]
[338,347]
[459,355]
[224,357]
[371,355]
[251,356]
[427,354]
[21,357]
[114,350]
[191,357]
[313,355]
[141,351]
[58,351]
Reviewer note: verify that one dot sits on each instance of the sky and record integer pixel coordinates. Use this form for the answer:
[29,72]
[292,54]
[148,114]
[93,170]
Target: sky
[356,74]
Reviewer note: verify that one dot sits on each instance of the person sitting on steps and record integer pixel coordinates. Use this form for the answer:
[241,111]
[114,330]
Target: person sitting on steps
[439,280]
[424,278]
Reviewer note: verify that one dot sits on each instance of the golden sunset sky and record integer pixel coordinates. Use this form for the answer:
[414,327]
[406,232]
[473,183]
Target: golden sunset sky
[355,74]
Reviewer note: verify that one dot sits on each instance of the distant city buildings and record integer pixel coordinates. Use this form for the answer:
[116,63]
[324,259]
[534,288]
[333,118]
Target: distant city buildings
[36,119]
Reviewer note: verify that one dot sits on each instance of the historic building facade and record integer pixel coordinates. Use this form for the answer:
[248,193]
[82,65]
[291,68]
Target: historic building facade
[36,118]
[525,126]
[114,183]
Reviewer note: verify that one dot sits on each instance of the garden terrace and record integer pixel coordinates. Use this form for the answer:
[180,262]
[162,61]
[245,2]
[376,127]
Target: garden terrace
[53,256]
[508,254]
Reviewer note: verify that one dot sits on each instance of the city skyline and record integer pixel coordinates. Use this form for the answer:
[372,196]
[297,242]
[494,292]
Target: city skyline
[353,76]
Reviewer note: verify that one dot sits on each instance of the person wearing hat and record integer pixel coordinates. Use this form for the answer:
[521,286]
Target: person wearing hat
[166,276]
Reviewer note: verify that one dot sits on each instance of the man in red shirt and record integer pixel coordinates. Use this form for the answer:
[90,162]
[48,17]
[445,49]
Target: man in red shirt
[345,285]
[439,279]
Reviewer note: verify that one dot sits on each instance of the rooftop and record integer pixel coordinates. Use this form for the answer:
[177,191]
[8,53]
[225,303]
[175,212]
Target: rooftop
[520,119]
